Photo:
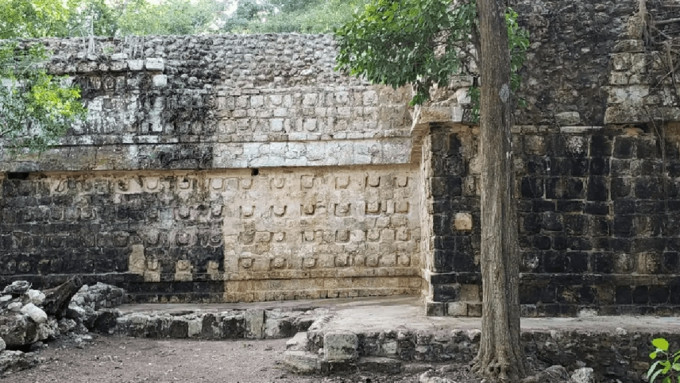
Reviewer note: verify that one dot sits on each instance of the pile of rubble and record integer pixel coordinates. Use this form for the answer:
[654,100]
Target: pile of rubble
[29,317]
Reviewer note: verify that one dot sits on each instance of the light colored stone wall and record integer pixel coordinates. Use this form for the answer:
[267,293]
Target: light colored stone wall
[220,102]
[318,233]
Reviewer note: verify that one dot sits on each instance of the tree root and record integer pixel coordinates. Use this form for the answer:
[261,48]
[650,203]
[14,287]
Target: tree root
[493,368]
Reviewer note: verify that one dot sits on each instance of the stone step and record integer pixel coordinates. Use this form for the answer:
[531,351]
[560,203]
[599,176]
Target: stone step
[301,362]
[380,365]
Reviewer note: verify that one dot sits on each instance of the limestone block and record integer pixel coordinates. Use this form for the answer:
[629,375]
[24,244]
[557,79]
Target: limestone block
[135,65]
[36,297]
[457,309]
[195,328]
[619,78]
[159,81]
[3,345]
[179,329]
[389,347]
[462,96]
[255,320]
[183,270]
[152,273]
[301,361]
[298,342]
[462,222]
[340,346]
[35,313]
[154,64]
[633,94]
[136,260]
[568,118]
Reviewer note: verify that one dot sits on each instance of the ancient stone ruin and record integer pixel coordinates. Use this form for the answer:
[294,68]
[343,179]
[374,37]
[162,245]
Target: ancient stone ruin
[244,168]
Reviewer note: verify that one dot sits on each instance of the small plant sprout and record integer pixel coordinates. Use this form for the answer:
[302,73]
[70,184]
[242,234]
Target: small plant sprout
[667,366]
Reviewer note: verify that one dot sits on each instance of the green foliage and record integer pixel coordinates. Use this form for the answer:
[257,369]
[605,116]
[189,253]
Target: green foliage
[103,16]
[35,18]
[280,16]
[518,38]
[419,42]
[667,367]
[35,107]
[75,18]
[171,17]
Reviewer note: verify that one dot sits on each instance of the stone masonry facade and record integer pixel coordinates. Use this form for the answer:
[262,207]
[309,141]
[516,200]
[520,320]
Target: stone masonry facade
[244,168]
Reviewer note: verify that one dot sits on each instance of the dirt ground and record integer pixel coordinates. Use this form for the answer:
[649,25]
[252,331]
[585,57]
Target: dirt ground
[128,360]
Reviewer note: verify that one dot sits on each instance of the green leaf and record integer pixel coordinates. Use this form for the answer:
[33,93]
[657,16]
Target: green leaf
[660,343]
[652,368]
[652,355]
[666,366]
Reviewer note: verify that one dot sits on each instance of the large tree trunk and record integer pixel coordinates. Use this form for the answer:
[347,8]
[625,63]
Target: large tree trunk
[500,353]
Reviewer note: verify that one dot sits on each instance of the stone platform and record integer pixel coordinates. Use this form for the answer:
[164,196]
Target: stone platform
[385,333]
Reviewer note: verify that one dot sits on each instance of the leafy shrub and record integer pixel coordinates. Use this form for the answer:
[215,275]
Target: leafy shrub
[667,367]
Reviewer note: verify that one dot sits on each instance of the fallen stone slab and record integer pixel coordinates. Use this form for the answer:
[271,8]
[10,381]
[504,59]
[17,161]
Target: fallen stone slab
[301,362]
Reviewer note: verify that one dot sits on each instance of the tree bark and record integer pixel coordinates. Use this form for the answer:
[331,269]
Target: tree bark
[57,298]
[500,353]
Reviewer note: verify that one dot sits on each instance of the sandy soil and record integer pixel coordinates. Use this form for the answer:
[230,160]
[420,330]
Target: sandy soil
[128,360]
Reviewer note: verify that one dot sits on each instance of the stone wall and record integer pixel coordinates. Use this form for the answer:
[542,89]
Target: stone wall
[219,236]
[244,168]
[598,221]
[216,102]
[219,168]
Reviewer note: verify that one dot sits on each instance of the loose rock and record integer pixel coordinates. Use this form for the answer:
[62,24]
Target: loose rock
[427,377]
[583,375]
[17,288]
[35,313]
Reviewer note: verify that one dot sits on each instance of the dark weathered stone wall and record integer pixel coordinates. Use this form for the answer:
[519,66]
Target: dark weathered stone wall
[568,63]
[598,223]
